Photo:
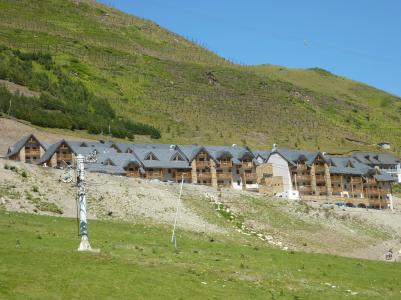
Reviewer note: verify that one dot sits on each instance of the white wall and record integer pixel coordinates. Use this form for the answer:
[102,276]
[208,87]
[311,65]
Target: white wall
[280,168]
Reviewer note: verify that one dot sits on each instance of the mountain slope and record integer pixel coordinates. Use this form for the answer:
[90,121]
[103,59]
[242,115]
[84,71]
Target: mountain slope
[153,76]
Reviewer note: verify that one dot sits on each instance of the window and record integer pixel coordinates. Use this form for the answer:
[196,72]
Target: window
[169,171]
[178,157]
[237,171]
[151,156]
[238,182]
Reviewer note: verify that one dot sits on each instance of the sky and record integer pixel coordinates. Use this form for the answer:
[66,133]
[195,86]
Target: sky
[358,39]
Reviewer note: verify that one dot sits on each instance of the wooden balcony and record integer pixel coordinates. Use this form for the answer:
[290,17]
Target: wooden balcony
[320,178]
[336,178]
[321,189]
[302,178]
[65,157]
[304,190]
[154,175]
[356,191]
[224,176]
[132,174]
[300,168]
[206,176]
[185,175]
[371,181]
[250,176]
[337,189]
[35,152]
[203,163]
[320,169]
[225,164]
[246,165]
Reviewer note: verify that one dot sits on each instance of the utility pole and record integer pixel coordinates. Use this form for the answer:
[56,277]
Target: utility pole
[68,177]
[83,224]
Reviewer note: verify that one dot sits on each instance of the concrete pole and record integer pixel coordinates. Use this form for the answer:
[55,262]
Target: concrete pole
[83,224]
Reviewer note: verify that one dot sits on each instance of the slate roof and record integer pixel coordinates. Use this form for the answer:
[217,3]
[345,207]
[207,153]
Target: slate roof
[376,159]
[164,154]
[14,149]
[348,165]
[293,156]
[262,153]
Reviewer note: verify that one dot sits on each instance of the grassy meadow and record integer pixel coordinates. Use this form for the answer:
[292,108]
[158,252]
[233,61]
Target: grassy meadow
[38,260]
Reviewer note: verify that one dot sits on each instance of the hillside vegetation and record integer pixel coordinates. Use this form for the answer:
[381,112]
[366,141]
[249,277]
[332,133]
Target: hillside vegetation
[155,77]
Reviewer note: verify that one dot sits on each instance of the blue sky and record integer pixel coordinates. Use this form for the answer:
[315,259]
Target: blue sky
[359,39]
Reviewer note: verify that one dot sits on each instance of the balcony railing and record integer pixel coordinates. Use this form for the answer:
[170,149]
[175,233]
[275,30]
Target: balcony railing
[225,164]
[303,178]
[224,175]
[320,178]
[336,178]
[132,174]
[185,175]
[247,165]
[32,152]
[250,176]
[154,175]
[320,169]
[203,163]
[301,167]
[204,175]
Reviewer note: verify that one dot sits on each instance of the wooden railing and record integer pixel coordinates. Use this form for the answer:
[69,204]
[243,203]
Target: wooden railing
[132,174]
[336,178]
[303,177]
[203,163]
[320,178]
[301,167]
[247,165]
[65,157]
[185,175]
[32,153]
[204,175]
[250,176]
[321,189]
[224,175]
[225,164]
[319,168]
[154,174]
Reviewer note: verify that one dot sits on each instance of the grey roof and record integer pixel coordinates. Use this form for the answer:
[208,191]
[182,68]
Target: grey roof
[262,153]
[165,156]
[14,149]
[113,170]
[373,159]
[348,165]
[49,153]
[190,151]
[385,177]
[294,156]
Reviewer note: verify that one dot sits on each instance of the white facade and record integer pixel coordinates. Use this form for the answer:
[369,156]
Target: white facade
[280,168]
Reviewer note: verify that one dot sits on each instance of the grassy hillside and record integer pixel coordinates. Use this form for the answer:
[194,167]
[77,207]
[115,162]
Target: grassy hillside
[153,76]
[39,261]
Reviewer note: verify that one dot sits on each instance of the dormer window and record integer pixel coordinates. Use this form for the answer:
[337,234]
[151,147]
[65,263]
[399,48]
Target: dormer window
[83,145]
[109,162]
[178,157]
[129,150]
[151,156]
[350,164]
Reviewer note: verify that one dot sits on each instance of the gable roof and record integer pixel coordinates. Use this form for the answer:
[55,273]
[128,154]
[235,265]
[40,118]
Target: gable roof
[348,165]
[14,149]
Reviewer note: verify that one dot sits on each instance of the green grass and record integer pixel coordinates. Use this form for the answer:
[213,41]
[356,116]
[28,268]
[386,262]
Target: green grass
[38,260]
[156,77]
